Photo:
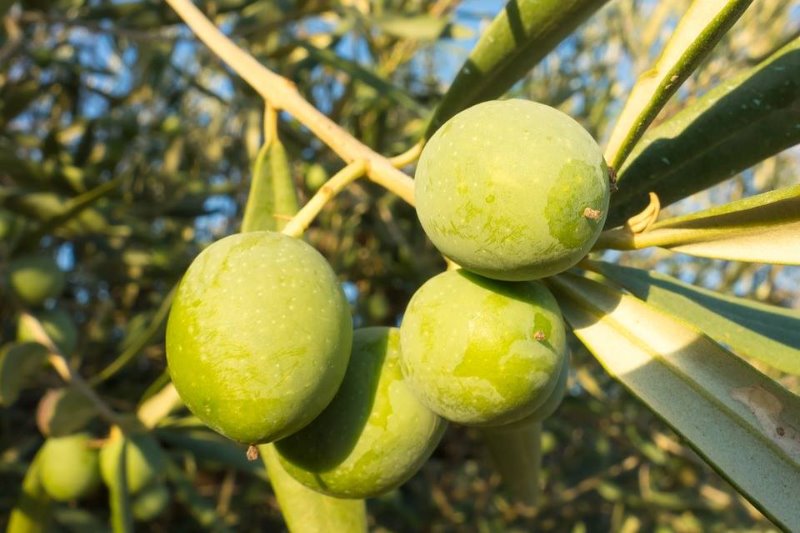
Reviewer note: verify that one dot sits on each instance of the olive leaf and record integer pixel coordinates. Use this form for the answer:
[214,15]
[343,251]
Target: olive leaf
[272,199]
[743,423]
[18,363]
[698,31]
[64,411]
[763,229]
[750,117]
[767,333]
[518,38]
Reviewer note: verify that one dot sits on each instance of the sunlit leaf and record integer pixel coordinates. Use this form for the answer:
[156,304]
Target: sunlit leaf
[698,31]
[64,411]
[420,27]
[749,116]
[763,332]
[762,229]
[118,497]
[519,37]
[744,424]
[272,199]
[307,510]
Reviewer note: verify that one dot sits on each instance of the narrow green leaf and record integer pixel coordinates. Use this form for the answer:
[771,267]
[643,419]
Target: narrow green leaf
[764,332]
[705,22]
[750,116]
[761,229]
[308,511]
[744,424]
[517,39]
[272,199]
[158,405]
[64,411]
[33,512]
[118,498]
[18,363]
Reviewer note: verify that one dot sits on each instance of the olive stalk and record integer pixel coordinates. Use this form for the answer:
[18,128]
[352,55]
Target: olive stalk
[517,455]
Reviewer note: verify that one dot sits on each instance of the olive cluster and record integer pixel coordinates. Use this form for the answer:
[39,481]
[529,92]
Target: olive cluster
[260,342]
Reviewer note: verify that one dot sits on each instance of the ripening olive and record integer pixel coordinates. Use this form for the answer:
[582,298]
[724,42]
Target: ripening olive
[69,467]
[259,336]
[512,190]
[35,278]
[374,435]
[482,352]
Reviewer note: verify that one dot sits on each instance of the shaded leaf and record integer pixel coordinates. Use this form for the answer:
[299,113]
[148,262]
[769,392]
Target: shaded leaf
[763,229]
[764,332]
[518,38]
[750,116]
[18,363]
[744,424]
[307,510]
[64,411]
[699,30]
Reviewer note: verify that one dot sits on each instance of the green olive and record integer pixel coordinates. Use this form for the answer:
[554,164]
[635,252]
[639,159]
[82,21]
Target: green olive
[58,324]
[512,190]
[259,336]
[35,278]
[482,352]
[69,467]
[374,435]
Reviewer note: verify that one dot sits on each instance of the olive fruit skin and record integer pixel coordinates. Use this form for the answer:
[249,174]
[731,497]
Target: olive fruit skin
[512,190]
[69,467]
[144,463]
[35,278]
[58,324]
[259,336]
[482,352]
[374,435]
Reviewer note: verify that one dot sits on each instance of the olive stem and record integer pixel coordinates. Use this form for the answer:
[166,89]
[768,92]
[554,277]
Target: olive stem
[59,362]
[300,222]
[282,94]
[517,455]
